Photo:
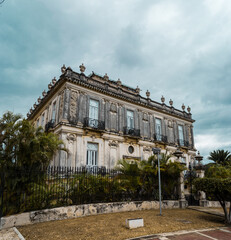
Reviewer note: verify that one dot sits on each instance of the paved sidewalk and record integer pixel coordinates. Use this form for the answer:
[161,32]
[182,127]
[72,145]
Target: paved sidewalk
[223,233]
[207,210]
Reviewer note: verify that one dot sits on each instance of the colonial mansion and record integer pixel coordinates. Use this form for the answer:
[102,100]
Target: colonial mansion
[101,121]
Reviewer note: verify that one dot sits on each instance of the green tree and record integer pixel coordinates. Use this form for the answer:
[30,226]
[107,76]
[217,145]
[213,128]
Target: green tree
[220,157]
[23,145]
[220,188]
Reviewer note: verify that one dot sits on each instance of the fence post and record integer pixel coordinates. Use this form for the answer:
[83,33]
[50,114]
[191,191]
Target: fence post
[2,186]
[202,201]
[182,200]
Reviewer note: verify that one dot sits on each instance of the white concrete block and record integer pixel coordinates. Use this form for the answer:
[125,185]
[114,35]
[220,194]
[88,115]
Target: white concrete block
[134,223]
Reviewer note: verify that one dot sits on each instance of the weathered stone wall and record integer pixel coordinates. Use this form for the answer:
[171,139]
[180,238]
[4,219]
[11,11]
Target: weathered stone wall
[80,211]
[215,204]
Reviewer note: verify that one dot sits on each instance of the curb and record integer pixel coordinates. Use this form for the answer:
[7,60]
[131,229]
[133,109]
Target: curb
[18,233]
[163,236]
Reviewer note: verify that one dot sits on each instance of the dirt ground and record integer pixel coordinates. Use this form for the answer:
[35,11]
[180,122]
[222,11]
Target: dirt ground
[112,226]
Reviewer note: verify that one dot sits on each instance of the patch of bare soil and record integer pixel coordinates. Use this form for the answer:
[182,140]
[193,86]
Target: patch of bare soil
[112,226]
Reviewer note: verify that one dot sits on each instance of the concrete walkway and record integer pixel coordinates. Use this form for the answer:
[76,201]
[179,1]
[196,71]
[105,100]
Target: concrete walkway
[207,210]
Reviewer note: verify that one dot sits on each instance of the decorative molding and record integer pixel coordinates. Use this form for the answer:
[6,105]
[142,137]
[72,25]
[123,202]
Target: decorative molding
[146,149]
[73,106]
[113,108]
[71,138]
[145,116]
[170,123]
[113,144]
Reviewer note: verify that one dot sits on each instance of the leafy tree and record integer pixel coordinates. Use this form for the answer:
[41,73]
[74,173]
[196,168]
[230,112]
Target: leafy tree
[220,157]
[220,188]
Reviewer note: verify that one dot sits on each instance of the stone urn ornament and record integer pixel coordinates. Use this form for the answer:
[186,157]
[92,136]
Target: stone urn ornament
[137,90]
[49,86]
[119,82]
[44,93]
[183,107]
[162,99]
[171,102]
[106,77]
[148,94]
[188,109]
[39,99]
[63,68]
[54,81]
[82,68]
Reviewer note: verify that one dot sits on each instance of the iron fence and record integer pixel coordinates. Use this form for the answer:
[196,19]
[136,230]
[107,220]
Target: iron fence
[27,190]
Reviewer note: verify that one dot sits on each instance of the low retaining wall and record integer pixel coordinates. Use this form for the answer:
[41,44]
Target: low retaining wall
[80,211]
[214,204]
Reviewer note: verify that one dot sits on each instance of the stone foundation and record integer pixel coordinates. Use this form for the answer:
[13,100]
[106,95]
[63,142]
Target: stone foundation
[80,211]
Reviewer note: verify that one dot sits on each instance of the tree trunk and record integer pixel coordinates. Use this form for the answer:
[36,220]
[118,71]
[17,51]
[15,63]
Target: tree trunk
[227,215]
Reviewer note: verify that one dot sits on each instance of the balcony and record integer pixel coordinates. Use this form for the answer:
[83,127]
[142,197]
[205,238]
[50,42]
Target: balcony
[183,143]
[49,125]
[94,123]
[160,138]
[132,132]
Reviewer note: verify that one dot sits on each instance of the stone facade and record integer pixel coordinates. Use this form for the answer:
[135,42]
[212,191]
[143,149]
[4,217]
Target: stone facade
[101,121]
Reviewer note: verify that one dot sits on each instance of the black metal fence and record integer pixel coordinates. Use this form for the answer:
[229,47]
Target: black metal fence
[27,190]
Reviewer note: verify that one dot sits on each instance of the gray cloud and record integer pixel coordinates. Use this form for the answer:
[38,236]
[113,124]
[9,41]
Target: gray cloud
[179,49]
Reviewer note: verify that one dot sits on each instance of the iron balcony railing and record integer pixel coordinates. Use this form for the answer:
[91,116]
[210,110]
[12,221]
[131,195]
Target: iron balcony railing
[49,125]
[161,138]
[94,123]
[183,143]
[132,132]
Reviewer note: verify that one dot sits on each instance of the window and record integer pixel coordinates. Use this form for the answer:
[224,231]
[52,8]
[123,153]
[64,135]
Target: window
[181,135]
[43,117]
[93,113]
[131,149]
[53,112]
[158,129]
[92,154]
[130,119]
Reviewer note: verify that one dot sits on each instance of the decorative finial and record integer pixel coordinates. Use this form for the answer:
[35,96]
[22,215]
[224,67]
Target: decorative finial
[31,110]
[35,105]
[171,102]
[106,77]
[44,93]
[183,107]
[147,94]
[63,68]
[82,68]
[119,82]
[39,99]
[54,81]
[162,99]
[188,109]
[138,90]
[49,85]
[27,114]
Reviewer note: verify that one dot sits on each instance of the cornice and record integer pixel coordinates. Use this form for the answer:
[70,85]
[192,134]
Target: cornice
[110,88]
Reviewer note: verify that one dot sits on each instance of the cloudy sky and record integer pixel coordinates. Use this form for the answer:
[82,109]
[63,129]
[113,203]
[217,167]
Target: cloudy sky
[179,49]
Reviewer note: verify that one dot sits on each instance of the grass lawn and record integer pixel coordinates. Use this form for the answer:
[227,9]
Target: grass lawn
[112,226]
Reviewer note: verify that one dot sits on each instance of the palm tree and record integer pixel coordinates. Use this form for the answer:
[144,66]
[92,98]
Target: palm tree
[221,157]
[9,127]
